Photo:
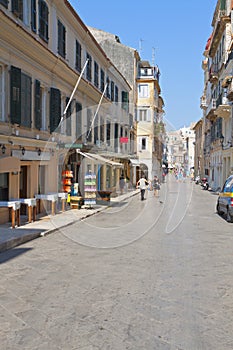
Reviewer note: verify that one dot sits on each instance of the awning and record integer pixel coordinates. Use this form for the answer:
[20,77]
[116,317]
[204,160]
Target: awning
[9,164]
[99,159]
[134,162]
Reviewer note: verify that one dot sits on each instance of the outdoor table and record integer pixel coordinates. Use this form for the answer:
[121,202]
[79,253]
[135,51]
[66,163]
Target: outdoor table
[63,196]
[15,210]
[52,197]
[31,203]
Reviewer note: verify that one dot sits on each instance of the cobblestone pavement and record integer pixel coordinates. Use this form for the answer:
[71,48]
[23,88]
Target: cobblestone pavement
[153,275]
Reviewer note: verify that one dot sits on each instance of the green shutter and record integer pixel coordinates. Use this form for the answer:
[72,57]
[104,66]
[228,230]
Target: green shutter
[15,95]
[125,100]
[68,118]
[55,108]
[222,5]
[33,15]
[78,120]
[4,3]
[26,100]
[37,105]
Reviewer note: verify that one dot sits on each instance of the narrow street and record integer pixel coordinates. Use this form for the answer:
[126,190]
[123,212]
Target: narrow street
[153,275]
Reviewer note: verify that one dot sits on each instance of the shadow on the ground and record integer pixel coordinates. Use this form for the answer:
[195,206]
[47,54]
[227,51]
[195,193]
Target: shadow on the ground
[12,254]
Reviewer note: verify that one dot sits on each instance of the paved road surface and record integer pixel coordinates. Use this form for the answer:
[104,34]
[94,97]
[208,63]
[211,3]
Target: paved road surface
[153,275]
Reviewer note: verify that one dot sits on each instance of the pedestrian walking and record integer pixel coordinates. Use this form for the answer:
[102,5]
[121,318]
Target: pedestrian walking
[156,186]
[142,182]
[122,183]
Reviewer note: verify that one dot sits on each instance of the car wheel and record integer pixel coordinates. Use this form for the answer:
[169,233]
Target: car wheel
[218,209]
[229,217]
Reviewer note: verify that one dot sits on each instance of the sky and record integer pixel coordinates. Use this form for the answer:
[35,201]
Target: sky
[176,31]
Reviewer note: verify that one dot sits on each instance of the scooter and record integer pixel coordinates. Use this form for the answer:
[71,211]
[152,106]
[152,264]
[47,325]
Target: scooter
[204,183]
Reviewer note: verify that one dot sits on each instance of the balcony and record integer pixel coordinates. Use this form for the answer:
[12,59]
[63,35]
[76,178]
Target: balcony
[213,74]
[211,109]
[221,19]
[203,102]
[223,108]
[148,73]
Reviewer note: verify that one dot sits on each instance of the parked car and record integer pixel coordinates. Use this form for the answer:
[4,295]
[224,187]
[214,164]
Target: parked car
[225,200]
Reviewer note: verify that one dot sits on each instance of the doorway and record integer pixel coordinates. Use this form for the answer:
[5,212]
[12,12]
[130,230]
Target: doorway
[23,187]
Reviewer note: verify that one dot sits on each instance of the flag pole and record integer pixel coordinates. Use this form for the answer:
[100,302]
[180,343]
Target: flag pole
[75,88]
[97,110]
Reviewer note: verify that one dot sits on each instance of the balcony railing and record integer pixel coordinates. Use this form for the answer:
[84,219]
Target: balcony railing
[211,107]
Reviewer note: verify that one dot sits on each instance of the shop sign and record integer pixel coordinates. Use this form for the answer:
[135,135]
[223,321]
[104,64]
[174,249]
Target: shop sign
[73,145]
[124,139]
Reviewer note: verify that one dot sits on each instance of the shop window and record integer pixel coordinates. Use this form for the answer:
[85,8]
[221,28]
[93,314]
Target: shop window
[4,186]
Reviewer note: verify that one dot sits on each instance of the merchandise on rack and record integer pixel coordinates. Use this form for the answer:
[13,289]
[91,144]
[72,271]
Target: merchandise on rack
[90,189]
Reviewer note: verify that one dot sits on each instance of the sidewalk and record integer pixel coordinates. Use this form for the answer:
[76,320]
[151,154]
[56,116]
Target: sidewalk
[10,238]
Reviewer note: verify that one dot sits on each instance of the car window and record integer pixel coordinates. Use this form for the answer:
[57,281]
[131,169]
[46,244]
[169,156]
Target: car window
[228,185]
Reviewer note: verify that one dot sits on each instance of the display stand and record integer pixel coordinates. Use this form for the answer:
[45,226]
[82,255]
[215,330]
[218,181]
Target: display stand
[90,189]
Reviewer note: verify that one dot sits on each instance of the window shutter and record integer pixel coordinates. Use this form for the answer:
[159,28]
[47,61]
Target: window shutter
[37,105]
[4,3]
[55,108]
[125,100]
[89,129]
[33,15]
[26,116]
[68,118]
[148,115]
[78,120]
[15,95]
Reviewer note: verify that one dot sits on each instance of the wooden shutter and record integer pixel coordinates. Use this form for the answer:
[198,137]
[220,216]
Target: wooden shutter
[55,108]
[4,3]
[15,95]
[68,118]
[33,15]
[37,105]
[78,120]
[26,100]
[125,100]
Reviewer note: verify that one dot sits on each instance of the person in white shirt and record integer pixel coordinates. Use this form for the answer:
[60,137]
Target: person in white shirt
[142,185]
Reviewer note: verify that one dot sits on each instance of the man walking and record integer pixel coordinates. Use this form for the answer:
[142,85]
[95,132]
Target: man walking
[142,185]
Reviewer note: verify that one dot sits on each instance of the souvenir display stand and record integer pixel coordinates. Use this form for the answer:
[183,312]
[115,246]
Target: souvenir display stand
[90,189]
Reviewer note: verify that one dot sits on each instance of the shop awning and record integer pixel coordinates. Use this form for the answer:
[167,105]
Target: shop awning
[100,159]
[9,164]
[134,162]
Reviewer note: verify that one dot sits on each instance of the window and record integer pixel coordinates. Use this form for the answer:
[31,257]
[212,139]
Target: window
[108,132]
[125,100]
[78,58]
[4,187]
[4,3]
[142,115]
[78,120]
[102,80]
[116,94]
[61,40]
[55,108]
[26,100]
[143,143]
[43,20]
[96,74]
[143,90]
[33,15]
[17,8]
[88,69]
[96,129]
[102,129]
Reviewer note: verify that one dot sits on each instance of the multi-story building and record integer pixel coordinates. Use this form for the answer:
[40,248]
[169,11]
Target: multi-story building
[217,108]
[45,50]
[145,99]
[150,126]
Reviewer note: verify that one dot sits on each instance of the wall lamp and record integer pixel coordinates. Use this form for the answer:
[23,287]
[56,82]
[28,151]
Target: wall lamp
[23,151]
[39,152]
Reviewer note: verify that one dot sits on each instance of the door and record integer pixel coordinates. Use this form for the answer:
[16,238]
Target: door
[23,187]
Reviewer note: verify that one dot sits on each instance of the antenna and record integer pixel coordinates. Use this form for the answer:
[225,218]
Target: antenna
[140,46]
